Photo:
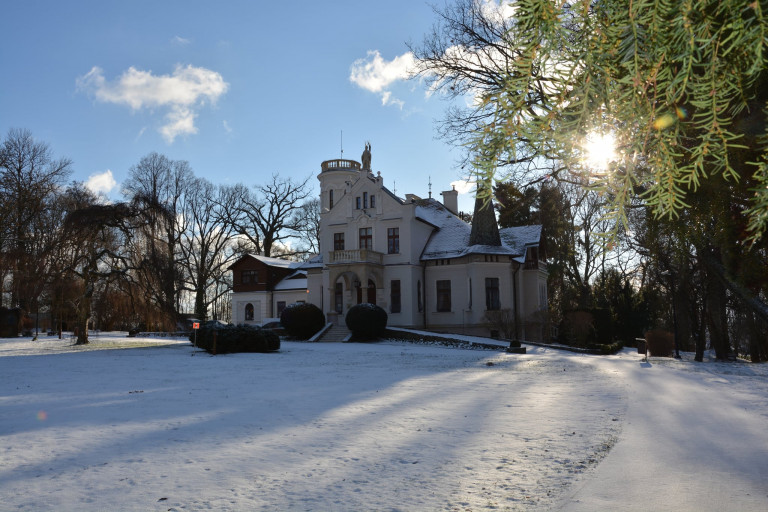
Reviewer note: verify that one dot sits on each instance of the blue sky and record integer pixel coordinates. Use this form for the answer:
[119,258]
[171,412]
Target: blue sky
[240,89]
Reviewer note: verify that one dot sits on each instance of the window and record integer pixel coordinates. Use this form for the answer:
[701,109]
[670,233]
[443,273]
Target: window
[338,241]
[393,240]
[249,277]
[330,199]
[358,202]
[365,199]
[492,294]
[373,201]
[418,296]
[338,297]
[394,296]
[366,238]
[249,312]
[280,307]
[444,295]
[470,294]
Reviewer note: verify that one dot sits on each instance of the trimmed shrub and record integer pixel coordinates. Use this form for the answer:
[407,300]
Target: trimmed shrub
[366,321]
[607,348]
[660,343]
[302,320]
[577,329]
[235,338]
[10,322]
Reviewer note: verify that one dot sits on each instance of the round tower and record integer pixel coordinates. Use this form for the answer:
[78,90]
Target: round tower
[334,175]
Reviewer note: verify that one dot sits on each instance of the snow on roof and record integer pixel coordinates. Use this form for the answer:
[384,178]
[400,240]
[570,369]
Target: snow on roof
[296,283]
[315,261]
[278,262]
[451,238]
[521,237]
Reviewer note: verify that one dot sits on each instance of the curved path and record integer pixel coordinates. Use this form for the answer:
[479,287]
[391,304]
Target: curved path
[695,438]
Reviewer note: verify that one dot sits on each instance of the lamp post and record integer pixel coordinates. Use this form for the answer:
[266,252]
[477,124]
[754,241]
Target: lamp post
[671,277]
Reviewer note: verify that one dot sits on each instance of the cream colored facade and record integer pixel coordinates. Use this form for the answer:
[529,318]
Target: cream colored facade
[374,243]
[412,257]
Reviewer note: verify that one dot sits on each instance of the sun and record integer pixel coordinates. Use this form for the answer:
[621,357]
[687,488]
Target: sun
[599,150]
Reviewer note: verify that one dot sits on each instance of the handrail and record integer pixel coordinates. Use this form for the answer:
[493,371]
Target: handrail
[340,163]
[355,256]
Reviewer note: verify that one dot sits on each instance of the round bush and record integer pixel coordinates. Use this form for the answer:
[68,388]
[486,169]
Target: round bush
[366,321]
[302,320]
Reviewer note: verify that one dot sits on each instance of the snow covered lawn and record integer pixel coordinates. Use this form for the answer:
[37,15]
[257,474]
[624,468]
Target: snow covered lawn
[157,425]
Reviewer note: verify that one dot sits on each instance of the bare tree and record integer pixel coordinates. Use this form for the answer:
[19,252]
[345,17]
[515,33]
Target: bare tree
[308,232]
[267,216]
[469,54]
[29,180]
[158,184]
[205,244]
[93,247]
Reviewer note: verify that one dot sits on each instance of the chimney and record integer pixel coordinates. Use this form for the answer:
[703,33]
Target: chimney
[485,230]
[451,200]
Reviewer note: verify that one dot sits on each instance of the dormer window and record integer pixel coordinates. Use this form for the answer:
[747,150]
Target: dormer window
[373,201]
[365,199]
[358,202]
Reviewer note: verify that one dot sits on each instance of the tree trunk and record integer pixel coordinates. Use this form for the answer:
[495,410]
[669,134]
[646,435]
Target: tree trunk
[717,320]
[701,337]
[200,309]
[757,339]
[83,314]
[682,298]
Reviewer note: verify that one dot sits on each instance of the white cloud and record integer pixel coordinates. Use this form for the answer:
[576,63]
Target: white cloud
[376,75]
[101,183]
[181,41]
[182,92]
[180,120]
[227,128]
[464,186]
[496,10]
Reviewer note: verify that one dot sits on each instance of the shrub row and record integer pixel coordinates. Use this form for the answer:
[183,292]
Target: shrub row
[235,338]
[605,349]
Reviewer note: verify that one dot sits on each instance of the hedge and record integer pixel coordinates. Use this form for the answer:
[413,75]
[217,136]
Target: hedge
[235,338]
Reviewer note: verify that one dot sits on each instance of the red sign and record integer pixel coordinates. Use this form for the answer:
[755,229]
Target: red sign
[195,325]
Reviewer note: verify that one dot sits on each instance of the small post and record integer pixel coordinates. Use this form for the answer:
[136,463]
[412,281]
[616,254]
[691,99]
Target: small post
[195,327]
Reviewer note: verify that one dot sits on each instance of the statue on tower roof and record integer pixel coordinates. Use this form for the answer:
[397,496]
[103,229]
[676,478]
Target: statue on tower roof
[366,158]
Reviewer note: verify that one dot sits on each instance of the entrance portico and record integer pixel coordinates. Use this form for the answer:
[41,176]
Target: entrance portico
[355,276]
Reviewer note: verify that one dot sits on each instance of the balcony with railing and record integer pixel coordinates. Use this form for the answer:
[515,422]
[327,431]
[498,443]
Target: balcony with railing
[535,265]
[339,164]
[355,256]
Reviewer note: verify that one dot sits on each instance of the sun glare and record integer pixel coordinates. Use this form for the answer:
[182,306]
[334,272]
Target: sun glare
[599,150]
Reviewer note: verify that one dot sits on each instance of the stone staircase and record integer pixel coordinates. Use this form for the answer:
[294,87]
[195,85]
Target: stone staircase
[335,333]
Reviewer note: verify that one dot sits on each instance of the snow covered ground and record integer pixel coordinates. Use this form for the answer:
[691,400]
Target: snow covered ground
[153,424]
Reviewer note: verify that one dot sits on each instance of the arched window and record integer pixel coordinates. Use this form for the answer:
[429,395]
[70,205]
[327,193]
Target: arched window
[249,312]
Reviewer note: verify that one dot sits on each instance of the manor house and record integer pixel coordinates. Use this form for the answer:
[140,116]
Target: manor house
[414,257]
